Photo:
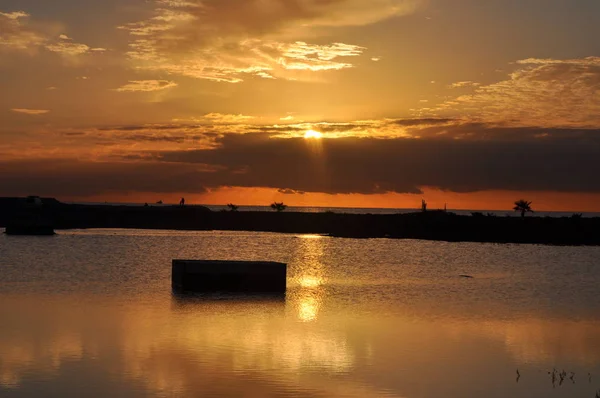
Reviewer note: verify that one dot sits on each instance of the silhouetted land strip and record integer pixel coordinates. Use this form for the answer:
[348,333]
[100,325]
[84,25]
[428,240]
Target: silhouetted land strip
[431,225]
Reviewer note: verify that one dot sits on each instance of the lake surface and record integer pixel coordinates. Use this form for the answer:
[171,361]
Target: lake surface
[91,313]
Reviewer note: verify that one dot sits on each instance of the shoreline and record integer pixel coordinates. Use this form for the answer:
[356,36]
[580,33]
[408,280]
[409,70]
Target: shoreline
[360,210]
[431,225]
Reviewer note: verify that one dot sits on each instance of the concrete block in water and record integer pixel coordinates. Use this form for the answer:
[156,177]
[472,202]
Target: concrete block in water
[39,230]
[229,276]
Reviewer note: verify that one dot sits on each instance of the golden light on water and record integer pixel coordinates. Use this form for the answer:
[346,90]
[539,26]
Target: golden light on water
[308,309]
[311,278]
[311,281]
[312,134]
[311,236]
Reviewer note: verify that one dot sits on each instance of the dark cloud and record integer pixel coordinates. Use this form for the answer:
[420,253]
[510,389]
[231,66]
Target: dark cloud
[158,138]
[422,122]
[276,129]
[60,178]
[516,159]
[323,127]
[151,127]
[561,160]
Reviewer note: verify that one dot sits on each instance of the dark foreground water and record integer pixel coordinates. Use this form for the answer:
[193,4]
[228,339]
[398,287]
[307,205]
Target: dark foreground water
[91,314]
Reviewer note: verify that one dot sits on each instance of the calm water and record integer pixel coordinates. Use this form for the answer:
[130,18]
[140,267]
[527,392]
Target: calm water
[90,313]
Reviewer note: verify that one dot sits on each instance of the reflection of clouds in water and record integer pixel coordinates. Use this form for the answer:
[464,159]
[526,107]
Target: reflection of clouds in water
[166,350]
[214,341]
[542,341]
[15,360]
[26,354]
[263,348]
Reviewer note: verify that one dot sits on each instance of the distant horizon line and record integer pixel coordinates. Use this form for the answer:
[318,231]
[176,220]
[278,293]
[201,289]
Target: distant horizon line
[266,206]
[416,209]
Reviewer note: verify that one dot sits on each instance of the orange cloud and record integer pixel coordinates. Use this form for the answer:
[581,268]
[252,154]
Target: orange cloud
[17,32]
[226,41]
[542,92]
[147,85]
[32,112]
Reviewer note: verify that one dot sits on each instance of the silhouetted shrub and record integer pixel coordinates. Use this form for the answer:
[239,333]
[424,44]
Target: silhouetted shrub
[278,207]
[523,207]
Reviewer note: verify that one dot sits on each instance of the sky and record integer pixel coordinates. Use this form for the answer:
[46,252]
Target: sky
[349,103]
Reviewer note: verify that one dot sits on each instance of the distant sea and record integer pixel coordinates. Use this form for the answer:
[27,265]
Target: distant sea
[364,210]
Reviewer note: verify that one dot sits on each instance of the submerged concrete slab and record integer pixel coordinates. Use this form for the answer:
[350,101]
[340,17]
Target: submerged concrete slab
[228,276]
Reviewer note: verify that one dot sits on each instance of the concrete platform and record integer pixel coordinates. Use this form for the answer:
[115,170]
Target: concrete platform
[228,276]
[32,230]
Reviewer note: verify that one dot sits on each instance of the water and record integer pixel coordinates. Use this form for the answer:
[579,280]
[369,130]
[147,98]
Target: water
[90,313]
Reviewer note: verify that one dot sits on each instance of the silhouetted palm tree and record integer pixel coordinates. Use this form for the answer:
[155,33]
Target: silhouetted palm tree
[523,206]
[233,207]
[279,207]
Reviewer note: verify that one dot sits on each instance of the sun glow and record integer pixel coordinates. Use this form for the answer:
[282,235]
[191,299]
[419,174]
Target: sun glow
[312,134]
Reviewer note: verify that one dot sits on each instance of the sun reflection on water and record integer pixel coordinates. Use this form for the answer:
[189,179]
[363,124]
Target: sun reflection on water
[310,277]
[311,281]
[308,309]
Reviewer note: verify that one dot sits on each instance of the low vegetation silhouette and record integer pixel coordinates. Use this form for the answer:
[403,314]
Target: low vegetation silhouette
[523,207]
[233,207]
[278,207]
[430,225]
[480,214]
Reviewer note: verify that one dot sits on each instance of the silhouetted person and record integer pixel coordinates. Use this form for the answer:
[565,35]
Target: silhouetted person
[182,202]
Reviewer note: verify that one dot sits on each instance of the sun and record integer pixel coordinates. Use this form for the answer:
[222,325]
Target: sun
[312,134]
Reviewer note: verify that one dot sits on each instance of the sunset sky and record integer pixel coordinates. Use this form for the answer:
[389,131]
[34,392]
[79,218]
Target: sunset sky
[363,103]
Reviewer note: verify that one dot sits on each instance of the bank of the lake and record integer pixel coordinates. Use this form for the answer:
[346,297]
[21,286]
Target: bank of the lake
[431,225]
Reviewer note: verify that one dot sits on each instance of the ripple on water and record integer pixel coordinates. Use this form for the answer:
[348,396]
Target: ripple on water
[91,313]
